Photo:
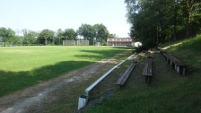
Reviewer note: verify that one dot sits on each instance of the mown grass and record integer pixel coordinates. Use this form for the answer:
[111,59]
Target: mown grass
[68,101]
[22,67]
[168,93]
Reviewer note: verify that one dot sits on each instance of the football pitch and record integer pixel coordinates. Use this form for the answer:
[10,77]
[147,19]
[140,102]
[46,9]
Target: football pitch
[21,67]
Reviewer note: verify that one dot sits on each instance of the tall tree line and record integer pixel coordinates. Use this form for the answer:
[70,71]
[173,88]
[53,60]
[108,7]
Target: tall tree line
[159,21]
[93,33]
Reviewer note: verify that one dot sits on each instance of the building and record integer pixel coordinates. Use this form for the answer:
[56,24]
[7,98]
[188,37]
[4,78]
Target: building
[120,42]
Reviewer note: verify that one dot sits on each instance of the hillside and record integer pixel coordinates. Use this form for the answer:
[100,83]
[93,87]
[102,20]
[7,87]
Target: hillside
[168,93]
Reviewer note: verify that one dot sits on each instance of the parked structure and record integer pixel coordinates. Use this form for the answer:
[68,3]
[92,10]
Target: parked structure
[120,42]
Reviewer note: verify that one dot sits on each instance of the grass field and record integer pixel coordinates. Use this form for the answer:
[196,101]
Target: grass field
[168,93]
[22,67]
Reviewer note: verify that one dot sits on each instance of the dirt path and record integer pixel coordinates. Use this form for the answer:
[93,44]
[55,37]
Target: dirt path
[36,97]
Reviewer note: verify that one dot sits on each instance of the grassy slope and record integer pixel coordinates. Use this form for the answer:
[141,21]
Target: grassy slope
[21,67]
[168,93]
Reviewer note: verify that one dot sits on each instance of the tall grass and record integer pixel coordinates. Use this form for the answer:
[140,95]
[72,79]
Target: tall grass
[22,67]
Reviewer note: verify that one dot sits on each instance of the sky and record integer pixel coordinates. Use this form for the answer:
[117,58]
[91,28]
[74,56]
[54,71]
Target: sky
[37,15]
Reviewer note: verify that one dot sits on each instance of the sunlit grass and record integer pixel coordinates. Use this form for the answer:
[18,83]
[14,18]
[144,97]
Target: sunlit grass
[28,58]
[21,67]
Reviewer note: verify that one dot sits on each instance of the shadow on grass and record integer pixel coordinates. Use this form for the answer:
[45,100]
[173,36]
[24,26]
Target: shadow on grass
[100,54]
[169,92]
[12,81]
[104,51]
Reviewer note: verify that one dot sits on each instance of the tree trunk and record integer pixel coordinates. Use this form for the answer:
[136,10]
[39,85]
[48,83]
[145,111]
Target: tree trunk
[175,21]
[188,17]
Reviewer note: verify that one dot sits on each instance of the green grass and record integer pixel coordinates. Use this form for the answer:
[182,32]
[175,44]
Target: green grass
[189,52]
[168,92]
[21,67]
[69,102]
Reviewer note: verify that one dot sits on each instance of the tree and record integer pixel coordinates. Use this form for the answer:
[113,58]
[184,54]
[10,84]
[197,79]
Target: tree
[101,32]
[46,37]
[196,20]
[58,36]
[29,37]
[6,34]
[88,32]
[69,34]
[148,20]
[159,21]
[112,36]
[191,10]
[15,40]
[8,37]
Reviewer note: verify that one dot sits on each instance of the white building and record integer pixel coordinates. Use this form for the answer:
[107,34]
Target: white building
[120,42]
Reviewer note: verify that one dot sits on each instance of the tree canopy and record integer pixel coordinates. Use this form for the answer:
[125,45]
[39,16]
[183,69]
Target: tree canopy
[88,32]
[29,37]
[69,34]
[159,21]
[6,34]
[93,33]
[101,32]
[46,37]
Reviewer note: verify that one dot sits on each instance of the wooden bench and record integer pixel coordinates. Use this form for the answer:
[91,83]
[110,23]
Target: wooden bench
[147,71]
[176,64]
[121,81]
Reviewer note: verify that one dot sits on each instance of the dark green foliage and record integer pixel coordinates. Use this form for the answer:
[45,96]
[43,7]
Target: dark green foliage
[160,21]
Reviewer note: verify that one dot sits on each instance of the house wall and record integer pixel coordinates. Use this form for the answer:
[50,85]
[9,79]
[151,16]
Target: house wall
[119,42]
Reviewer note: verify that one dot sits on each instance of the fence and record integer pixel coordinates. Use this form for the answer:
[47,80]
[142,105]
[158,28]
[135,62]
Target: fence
[75,42]
[3,44]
